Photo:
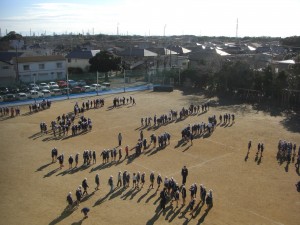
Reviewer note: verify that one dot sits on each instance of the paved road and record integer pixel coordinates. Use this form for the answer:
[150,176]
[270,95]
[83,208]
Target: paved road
[80,95]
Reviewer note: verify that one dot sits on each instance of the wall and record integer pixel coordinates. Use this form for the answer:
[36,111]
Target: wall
[50,71]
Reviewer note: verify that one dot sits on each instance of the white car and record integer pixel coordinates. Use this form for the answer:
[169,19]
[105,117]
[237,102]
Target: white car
[34,87]
[87,88]
[46,93]
[95,86]
[72,83]
[56,92]
[44,86]
[53,85]
[35,94]
[22,96]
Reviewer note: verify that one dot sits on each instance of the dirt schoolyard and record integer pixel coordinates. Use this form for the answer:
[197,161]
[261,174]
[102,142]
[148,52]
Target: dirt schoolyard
[246,189]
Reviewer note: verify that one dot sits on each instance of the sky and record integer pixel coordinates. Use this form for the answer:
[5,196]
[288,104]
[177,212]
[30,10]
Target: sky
[274,18]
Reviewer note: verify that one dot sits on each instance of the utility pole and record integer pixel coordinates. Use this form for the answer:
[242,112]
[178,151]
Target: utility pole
[97,84]
[124,80]
[68,85]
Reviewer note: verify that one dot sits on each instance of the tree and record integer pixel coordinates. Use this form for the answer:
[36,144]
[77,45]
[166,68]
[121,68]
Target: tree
[104,62]
[11,36]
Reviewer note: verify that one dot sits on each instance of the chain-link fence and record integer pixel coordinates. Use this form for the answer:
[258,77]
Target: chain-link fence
[129,78]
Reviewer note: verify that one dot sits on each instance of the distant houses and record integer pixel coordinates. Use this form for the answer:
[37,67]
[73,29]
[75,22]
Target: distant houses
[51,58]
[79,58]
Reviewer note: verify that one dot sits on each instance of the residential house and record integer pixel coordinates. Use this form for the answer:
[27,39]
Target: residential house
[41,68]
[136,57]
[80,59]
[7,71]
[168,58]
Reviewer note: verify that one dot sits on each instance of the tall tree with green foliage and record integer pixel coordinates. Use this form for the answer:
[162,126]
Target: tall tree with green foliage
[104,62]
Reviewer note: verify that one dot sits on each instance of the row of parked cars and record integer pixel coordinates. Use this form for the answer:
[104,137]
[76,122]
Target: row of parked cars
[44,90]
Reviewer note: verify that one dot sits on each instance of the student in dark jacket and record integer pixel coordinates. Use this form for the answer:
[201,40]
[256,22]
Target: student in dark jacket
[163,198]
[78,195]
[184,174]
[71,160]
[85,211]
[183,194]
[85,186]
[70,200]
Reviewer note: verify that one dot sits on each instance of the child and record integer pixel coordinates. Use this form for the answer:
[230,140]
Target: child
[85,211]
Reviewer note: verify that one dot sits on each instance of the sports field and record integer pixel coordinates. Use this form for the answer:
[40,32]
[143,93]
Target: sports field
[246,190]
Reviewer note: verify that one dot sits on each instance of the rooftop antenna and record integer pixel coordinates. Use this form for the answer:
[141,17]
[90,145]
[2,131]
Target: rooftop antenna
[165,30]
[30,32]
[0,33]
[237,28]
[118,28]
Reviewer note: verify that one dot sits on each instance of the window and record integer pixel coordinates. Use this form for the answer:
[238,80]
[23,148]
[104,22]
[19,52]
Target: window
[5,67]
[41,66]
[59,65]
[26,67]
[69,60]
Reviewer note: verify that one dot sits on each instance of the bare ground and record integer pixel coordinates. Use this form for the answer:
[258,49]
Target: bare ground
[246,191]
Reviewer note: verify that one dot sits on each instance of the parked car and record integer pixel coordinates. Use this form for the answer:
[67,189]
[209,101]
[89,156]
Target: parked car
[46,93]
[77,89]
[13,90]
[35,94]
[94,87]
[53,85]
[72,83]
[34,87]
[62,84]
[9,97]
[87,88]
[65,91]
[3,90]
[44,86]
[106,84]
[81,83]
[22,96]
[24,89]
[56,92]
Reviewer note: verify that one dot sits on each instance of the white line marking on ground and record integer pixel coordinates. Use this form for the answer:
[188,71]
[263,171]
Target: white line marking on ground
[205,162]
[142,166]
[273,221]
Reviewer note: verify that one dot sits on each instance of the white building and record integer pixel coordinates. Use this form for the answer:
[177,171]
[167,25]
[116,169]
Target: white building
[41,68]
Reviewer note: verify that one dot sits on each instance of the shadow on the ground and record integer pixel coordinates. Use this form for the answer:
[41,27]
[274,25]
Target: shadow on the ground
[234,104]
[43,167]
[65,213]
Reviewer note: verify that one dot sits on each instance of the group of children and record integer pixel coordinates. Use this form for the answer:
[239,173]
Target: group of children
[171,190]
[117,101]
[287,152]
[14,111]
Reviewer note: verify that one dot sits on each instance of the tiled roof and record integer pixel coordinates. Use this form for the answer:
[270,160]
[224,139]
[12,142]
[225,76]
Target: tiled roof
[41,58]
[137,52]
[8,56]
[79,54]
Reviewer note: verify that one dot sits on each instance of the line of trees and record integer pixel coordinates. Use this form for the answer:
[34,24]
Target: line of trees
[237,75]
